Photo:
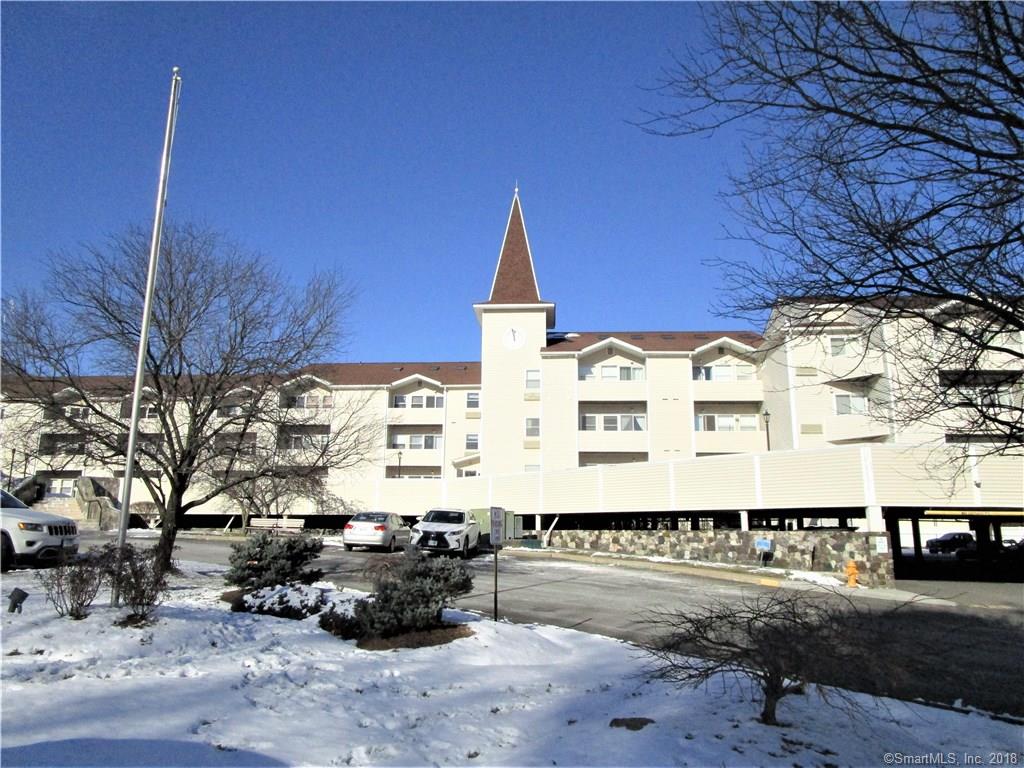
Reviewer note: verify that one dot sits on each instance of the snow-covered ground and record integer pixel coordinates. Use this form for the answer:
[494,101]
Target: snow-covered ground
[204,686]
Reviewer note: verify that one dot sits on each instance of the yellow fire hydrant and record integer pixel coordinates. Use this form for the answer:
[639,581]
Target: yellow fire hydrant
[851,574]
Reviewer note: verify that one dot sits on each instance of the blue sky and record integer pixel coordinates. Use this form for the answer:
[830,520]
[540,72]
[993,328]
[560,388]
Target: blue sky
[384,138]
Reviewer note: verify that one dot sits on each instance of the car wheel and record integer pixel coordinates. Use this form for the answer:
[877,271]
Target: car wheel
[348,547]
[391,544]
[464,554]
[6,554]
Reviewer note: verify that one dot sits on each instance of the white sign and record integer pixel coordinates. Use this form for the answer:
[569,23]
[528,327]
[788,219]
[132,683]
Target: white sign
[881,544]
[497,526]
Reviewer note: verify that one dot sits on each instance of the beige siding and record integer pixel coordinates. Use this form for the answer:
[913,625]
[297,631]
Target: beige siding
[829,478]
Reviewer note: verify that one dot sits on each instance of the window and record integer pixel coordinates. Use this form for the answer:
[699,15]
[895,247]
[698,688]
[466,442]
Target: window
[637,423]
[398,401]
[744,372]
[613,422]
[609,373]
[435,401]
[533,427]
[473,442]
[841,346]
[466,473]
[472,399]
[62,485]
[533,379]
[725,422]
[416,401]
[303,440]
[148,411]
[586,373]
[308,401]
[847,405]
[79,412]
[702,373]
[631,373]
[724,373]
[415,442]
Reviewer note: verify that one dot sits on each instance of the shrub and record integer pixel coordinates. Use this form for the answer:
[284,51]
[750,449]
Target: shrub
[264,560]
[407,598]
[139,578]
[283,602]
[343,625]
[72,585]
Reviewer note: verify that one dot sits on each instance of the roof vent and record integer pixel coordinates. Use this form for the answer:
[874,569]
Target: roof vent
[435,367]
[668,336]
[701,336]
[636,335]
[397,368]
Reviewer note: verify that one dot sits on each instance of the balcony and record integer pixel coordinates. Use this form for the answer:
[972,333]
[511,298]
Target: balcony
[418,457]
[617,391]
[612,442]
[728,391]
[416,416]
[730,442]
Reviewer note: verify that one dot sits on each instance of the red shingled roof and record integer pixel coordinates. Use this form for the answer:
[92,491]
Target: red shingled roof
[514,279]
[368,374]
[649,341]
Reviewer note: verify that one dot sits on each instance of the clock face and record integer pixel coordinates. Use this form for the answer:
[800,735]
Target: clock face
[514,337]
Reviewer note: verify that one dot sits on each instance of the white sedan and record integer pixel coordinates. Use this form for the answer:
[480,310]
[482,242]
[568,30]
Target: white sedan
[376,529]
[447,530]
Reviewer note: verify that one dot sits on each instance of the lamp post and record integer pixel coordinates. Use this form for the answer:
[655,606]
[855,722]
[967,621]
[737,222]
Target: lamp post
[399,465]
[768,428]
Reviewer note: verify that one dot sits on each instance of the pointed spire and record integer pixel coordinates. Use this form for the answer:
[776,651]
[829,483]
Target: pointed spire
[514,280]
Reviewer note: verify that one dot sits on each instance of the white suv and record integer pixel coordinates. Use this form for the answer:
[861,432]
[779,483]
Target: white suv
[30,537]
[447,530]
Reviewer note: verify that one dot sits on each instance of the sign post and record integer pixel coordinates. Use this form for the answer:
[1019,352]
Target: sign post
[497,537]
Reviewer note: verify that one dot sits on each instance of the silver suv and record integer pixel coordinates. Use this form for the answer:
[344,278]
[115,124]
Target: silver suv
[33,538]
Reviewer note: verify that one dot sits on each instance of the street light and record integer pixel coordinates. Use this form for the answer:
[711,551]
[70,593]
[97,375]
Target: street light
[768,427]
[399,465]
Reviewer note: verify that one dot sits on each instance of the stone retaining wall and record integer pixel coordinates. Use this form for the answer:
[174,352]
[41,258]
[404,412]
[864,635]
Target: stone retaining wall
[823,551]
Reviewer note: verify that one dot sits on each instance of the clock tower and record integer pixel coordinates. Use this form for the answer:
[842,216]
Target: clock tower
[513,331]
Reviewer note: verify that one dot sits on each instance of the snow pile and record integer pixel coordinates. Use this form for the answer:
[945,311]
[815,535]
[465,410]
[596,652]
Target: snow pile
[204,686]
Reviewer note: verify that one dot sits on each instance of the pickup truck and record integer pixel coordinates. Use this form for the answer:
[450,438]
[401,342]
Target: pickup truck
[30,537]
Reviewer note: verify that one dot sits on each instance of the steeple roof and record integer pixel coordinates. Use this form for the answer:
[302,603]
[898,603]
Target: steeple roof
[514,279]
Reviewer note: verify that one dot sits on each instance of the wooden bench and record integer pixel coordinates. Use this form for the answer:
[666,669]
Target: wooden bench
[276,525]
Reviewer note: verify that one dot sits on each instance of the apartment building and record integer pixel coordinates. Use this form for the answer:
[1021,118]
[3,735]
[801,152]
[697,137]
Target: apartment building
[722,426]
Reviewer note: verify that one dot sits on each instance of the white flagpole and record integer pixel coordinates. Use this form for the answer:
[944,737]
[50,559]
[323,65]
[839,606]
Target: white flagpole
[140,363]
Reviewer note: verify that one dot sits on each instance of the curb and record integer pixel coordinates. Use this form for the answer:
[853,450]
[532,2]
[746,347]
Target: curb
[722,574]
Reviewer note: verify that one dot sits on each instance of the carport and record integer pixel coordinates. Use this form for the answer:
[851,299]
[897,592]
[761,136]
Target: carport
[988,560]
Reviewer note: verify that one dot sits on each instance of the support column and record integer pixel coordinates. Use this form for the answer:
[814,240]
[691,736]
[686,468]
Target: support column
[874,520]
[744,520]
[915,524]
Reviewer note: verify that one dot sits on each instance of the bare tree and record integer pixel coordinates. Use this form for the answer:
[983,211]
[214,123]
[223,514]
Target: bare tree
[883,183]
[782,641]
[228,340]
